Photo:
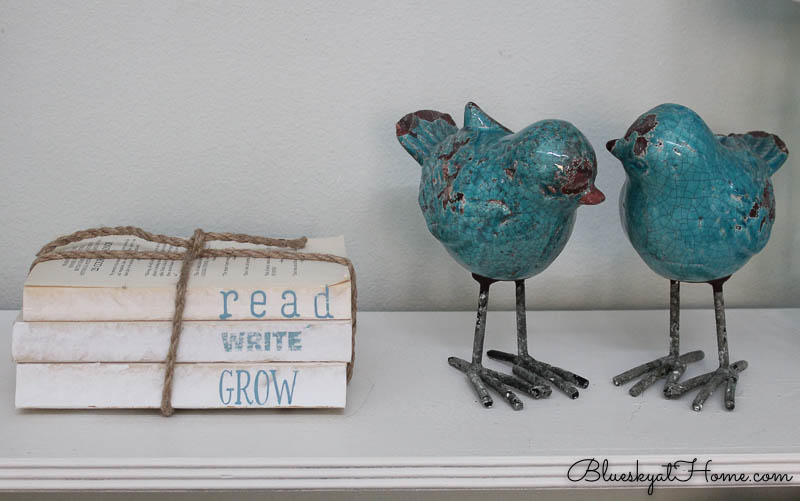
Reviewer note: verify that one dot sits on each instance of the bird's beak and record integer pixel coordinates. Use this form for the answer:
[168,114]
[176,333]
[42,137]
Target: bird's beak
[610,146]
[592,197]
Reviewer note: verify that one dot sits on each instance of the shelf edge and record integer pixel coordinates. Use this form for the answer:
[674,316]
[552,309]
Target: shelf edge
[166,474]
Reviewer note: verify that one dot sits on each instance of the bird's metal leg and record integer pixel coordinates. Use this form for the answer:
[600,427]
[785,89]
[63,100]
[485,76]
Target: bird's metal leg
[727,373]
[528,368]
[482,378]
[671,366]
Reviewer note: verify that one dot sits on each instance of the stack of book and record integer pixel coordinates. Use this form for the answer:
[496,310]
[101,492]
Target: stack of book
[257,332]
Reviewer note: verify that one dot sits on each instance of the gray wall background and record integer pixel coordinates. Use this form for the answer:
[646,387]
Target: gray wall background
[277,118]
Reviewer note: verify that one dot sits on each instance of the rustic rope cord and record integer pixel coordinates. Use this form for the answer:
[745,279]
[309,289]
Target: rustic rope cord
[195,248]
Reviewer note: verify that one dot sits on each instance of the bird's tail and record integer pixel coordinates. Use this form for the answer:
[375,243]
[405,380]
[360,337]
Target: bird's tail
[420,132]
[767,146]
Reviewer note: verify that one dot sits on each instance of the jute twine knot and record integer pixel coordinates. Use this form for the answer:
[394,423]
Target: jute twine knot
[195,248]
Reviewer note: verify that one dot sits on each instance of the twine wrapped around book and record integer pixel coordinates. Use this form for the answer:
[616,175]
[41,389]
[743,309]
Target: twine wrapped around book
[195,248]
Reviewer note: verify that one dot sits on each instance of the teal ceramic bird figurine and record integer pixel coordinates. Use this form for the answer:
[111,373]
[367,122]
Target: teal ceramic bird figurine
[696,206]
[503,205]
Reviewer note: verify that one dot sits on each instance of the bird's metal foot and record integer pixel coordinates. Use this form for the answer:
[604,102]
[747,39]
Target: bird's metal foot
[482,379]
[709,382]
[671,367]
[540,373]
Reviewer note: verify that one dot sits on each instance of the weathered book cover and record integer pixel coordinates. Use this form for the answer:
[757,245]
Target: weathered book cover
[195,386]
[220,288]
[201,341]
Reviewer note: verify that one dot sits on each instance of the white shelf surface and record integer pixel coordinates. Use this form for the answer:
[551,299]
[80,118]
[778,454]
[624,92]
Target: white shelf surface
[413,422]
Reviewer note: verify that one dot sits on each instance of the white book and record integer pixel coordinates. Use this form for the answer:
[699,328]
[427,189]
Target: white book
[195,386]
[201,341]
[220,288]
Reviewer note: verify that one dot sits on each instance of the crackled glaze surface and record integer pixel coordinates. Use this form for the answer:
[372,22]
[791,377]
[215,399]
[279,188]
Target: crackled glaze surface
[502,203]
[696,206]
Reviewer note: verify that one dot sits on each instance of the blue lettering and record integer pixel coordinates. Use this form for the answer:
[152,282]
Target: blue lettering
[327,297]
[225,315]
[279,339]
[253,341]
[284,387]
[228,389]
[293,304]
[230,342]
[242,388]
[257,385]
[294,341]
[254,303]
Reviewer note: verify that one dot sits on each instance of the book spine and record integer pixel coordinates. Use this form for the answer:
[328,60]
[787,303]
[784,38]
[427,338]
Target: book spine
[326,302]
[195,386]
[209,341]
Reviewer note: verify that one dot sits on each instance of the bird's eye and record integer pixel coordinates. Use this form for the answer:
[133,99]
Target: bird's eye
[577,176]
